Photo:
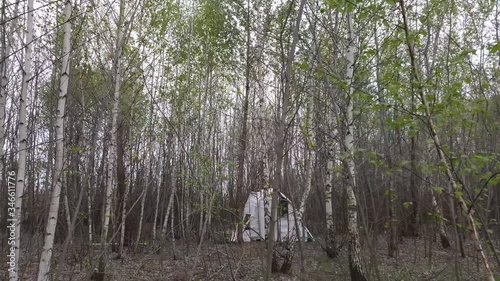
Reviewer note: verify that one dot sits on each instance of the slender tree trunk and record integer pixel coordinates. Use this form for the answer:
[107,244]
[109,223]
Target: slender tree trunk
[393,237]
[497,27]
[4,53]
[117,74]
[264,167]
[280,140]
[413,227]
[354,250]
[162,162]
[453,188]
[240,182]
[90,180]
[64,184]
[123,218]
[445,242]
[172,224]
[112,156]
[298,215]
[46,257]
[261,42]
[112,146]
[144,194]
[173,186]
[202,211]
[6,42]
[158,193]
[331,247]
[69,237]
[21,168]
[121,184]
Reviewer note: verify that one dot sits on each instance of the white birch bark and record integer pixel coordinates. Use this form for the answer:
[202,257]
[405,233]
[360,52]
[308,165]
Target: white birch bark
[89,210]
[172,233]
[123,218]
[297,233]
[202,202]
[114,127]
[354,250]
[440,223]
[88,179]
[157,204]
[262,124]
[172,194]
[4,66]
[4,51]
[160,161]
[263,148]
[143,202]
[307,191]
[46,257]
[309,143]
[20,186]
[330,231]
[111,163]
[185,207]
[111,171]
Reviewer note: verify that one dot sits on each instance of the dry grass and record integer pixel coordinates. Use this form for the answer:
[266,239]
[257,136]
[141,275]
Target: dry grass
[234,262]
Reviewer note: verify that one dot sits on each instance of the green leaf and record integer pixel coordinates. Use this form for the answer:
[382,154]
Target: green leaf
[495,48]
[370,52]
[406,205]
[335,4]
[403,163]
[438,189]
[391,2]
[303,65]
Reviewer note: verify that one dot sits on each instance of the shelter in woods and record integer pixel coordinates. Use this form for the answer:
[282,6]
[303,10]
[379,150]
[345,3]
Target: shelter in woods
[254,219]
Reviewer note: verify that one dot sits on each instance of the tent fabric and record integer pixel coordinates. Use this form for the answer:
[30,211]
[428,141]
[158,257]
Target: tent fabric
[254,221]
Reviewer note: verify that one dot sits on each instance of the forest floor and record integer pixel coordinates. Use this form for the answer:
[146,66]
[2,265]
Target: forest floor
[234,262]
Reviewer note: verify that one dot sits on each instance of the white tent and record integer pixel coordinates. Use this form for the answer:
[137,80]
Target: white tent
[254,221]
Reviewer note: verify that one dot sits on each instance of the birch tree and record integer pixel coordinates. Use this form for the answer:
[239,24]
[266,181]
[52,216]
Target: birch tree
[173,187]
[117,76]
[240,182]
[354,249]
[330,247]
[262,37]
[5,53]
[46,257]
[297,232]
[22,139]
[146,184]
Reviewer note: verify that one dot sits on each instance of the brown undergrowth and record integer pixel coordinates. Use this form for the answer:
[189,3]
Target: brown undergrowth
[245,262]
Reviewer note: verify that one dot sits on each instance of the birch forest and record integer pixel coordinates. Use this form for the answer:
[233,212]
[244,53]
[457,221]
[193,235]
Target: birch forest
[250,140]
